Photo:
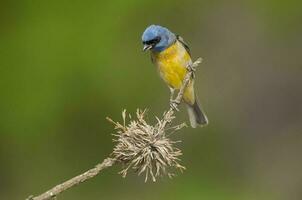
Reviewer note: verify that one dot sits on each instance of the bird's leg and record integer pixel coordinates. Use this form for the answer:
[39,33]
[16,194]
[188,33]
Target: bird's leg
[192,66]
[172,90]
[173,103]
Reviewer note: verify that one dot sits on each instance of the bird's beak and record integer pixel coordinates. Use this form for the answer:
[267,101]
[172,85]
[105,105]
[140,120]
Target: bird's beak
[147,47]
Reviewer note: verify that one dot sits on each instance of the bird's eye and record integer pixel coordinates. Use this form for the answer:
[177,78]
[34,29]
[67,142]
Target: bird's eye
[153,41]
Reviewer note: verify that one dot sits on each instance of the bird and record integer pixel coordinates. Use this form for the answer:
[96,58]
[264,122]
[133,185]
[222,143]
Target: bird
[171,54]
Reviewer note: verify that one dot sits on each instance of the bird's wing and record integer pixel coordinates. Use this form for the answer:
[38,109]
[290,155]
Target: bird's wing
[181,40]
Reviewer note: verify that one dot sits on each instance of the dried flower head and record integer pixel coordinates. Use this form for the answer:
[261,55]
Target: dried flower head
[146,148]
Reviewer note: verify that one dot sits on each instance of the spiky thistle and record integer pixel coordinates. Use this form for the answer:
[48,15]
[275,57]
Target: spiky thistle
[146,148]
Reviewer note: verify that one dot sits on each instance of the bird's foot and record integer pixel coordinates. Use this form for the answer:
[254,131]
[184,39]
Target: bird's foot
[192,67]
[174,104]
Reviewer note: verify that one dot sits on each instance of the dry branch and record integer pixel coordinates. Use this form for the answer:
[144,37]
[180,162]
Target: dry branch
[140,146]
[52,193]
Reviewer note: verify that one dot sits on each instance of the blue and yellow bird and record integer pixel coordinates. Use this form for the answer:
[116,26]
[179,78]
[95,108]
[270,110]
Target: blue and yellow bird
[172,56]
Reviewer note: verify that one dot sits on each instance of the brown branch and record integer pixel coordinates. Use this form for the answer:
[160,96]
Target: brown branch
[52,193]
[108,162]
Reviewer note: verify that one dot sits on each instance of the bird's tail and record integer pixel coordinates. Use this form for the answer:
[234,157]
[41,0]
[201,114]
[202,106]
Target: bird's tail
[196,115]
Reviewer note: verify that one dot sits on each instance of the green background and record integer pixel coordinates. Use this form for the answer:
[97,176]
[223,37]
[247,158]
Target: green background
[66,65]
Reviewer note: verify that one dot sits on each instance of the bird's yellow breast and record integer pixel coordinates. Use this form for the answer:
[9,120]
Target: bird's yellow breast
[172,63]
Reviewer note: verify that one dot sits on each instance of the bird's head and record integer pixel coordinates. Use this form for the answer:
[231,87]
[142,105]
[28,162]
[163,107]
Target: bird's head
[157,38]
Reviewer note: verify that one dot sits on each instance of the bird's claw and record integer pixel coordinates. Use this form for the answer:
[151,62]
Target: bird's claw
[174,104]
[192,66]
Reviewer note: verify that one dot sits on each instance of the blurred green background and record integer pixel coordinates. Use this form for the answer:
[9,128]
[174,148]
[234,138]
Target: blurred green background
[66,65]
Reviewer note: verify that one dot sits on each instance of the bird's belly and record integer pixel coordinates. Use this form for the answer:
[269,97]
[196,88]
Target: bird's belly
[172,72]
[172,64]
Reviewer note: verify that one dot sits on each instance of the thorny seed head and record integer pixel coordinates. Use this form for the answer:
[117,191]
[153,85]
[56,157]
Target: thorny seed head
[145,148]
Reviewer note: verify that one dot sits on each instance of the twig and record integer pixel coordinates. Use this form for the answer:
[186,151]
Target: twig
[52,193]
[108,162]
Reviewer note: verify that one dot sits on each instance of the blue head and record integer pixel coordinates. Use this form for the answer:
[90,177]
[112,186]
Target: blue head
[157,38]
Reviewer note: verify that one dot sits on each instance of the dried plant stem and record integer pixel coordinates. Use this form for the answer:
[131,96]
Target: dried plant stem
[52,193]
[108,162]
